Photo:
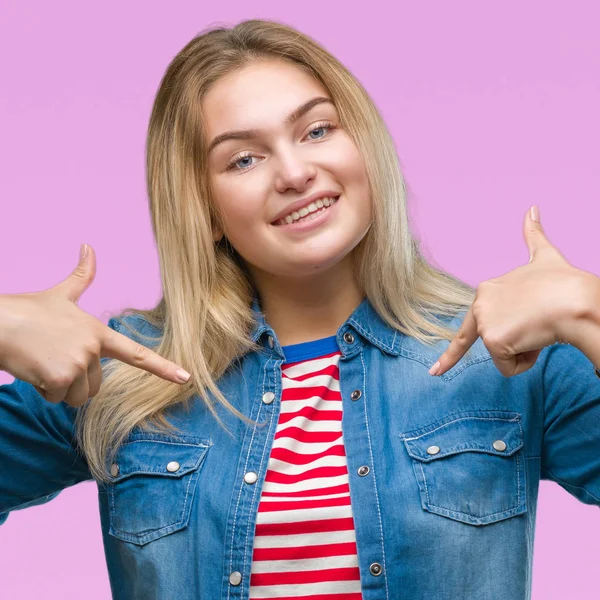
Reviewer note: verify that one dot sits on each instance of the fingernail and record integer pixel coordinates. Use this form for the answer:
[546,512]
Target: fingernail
[434,370]
[182,375]
[535,213]
[83,250]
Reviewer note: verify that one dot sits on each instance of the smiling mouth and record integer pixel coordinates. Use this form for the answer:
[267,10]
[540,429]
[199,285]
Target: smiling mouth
[296,217]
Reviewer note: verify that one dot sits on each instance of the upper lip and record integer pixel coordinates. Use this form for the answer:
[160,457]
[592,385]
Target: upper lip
[290,208]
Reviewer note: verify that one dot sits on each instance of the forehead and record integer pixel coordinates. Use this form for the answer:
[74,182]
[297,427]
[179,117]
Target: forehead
[259,96]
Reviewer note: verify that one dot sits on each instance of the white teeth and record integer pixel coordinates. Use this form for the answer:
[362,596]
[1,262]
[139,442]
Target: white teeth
[312,207]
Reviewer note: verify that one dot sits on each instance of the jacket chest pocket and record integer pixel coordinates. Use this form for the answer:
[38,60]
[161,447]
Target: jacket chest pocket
[470,467]
[153,485]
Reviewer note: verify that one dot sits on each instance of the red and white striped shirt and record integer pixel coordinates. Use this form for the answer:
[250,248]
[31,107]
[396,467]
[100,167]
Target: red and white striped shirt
[305,543]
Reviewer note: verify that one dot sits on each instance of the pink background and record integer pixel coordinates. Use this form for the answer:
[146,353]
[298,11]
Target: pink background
[493,108]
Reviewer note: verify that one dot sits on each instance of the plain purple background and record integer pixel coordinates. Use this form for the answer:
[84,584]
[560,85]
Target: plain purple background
[492,108]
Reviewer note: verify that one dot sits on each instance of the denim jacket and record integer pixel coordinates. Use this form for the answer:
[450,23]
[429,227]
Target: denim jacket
[444,471]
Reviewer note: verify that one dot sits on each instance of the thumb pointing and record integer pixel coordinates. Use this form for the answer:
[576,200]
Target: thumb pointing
[82,276]
[534,234]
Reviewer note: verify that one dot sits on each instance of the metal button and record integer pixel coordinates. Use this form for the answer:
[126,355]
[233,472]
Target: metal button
[499,445]
[433,449]
[268,397]
[250,477]
[173,466]
[235,578]
[364,470]
[348,337]
[355,395]
[270,341]
[375,569]
[114,469]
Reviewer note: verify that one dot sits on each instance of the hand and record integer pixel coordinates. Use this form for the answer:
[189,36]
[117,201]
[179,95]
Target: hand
[520,313]
[48,341]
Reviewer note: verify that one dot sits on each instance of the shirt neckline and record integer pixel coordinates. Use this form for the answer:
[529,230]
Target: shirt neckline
[308,350]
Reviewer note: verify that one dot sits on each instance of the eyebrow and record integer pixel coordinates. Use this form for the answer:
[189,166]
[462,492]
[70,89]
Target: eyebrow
[248,134]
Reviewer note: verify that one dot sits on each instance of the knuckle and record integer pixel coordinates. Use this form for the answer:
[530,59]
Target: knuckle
[59,380]
[482,292]
[493,341]
[460,334]
[97,347]
[140,354]
[80,365]
[81,273]
[93,347]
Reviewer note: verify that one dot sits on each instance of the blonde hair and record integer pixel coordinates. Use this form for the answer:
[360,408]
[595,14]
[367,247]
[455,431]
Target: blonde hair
[204,317]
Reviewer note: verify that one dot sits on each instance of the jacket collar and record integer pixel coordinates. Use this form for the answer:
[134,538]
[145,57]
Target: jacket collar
[364,320]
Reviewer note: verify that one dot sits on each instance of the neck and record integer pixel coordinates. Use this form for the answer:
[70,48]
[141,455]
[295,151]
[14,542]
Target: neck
[309,308]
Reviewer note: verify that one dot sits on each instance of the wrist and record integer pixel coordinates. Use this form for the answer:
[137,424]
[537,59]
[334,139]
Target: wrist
[583,317]
[6,322]
[582,328]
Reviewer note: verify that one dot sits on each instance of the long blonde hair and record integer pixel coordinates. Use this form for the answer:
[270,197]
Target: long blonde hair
[204,317]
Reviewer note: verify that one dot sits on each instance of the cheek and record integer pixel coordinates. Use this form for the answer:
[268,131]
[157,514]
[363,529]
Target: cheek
[347,163]
[242,222]
[238,213]
[352,173]
[239,204]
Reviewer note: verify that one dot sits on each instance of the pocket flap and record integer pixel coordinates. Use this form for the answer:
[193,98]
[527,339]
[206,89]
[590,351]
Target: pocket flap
[155,454]
[500,434]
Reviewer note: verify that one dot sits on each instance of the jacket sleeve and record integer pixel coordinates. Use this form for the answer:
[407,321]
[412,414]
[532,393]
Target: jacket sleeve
[39,456]
[571,441]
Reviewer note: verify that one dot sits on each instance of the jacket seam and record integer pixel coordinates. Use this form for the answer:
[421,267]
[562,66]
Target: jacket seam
[237,506]
[262,460]
[462,419]
[385,573]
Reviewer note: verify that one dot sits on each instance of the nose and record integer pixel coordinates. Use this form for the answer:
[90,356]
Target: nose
[293,172]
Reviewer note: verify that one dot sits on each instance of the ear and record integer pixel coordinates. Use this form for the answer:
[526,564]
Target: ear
[217,231]
[217,235]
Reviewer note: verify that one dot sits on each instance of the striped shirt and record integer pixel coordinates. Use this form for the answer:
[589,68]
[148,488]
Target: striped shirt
[305,543]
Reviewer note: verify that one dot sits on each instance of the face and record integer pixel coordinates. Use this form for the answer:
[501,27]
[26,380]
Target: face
[260,178]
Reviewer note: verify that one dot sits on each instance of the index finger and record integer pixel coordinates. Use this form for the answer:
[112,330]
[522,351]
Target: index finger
[119,346]
[465,337]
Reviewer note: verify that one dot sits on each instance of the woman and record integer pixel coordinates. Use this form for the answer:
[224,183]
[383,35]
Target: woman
[310,453]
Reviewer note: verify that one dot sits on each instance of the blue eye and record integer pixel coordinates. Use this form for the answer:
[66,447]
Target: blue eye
[231,165]
[324,126]
[234,162]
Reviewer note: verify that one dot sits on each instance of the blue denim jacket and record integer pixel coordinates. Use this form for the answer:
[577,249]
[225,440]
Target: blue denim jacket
[444,471]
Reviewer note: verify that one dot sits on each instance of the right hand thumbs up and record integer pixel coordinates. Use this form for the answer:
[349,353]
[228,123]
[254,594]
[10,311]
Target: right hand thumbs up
[48,341]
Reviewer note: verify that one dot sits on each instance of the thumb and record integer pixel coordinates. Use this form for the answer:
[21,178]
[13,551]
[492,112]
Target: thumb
[81,277]
[534,234]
